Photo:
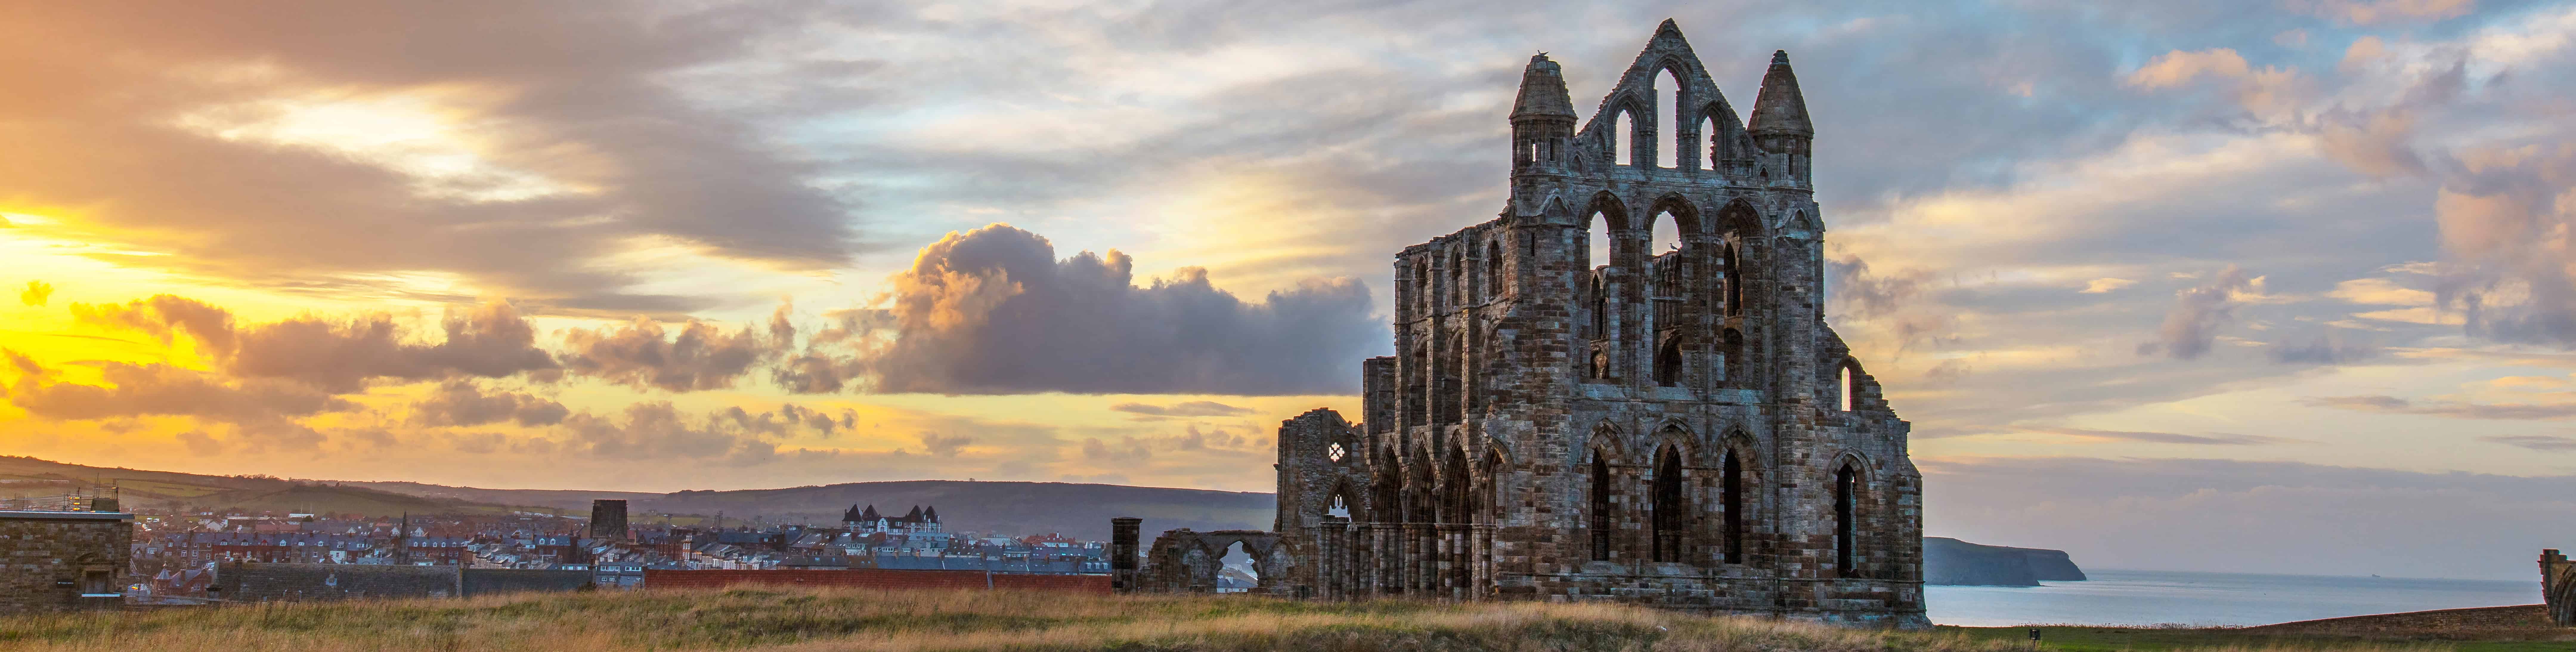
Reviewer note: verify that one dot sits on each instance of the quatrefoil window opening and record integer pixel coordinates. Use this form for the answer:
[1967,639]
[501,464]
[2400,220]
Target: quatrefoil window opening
[1335,452]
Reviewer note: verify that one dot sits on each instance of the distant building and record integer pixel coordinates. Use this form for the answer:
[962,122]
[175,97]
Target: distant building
[920,521]
[63,560]
[608,519]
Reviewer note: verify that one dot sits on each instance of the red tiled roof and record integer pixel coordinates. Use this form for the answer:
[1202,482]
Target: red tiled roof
[872,578]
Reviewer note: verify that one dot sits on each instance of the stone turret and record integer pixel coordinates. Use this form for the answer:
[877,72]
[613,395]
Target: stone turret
[1780,125]
[1542,117]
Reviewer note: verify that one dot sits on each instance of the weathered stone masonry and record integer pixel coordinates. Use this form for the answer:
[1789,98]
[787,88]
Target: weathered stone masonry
[64,560]
[1678,429]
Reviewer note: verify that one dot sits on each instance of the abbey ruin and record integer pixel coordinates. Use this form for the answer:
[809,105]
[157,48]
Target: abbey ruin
[1674,428]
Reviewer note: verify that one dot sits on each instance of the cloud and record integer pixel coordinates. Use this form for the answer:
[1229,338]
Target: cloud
[26,366]
[2372,12]
[491,341]
[201,444]
[2269,91]
[2394,405]
[36,294]
[461,403]
[640,355]
[518,147]
[788,417]
[2547,443]
[657,430]
[164,316]
[2199,312]
[2106,284]
[2212,439]
[945,445]
[993,311]
[158,389]
[1185,409]
[2335,346]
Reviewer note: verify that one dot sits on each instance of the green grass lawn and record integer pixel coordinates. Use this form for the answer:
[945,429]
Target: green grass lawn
[2104,639]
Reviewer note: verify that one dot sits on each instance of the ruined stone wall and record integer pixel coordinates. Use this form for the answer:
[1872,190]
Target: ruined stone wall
[1676,428]
[1186,561]
[2558,587]
[48,560]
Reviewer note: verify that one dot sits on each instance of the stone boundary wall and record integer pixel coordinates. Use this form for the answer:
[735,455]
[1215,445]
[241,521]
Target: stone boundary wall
[494,581]
[2513,617]
[275,582]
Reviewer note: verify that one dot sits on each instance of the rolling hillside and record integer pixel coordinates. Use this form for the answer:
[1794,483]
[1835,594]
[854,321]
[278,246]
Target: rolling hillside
[27,477]
[1081,510]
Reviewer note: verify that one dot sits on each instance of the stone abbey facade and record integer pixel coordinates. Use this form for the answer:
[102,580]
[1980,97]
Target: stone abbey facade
[1673,428]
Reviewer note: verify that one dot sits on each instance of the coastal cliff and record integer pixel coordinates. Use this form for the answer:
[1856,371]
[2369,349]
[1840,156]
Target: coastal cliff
[1954,562]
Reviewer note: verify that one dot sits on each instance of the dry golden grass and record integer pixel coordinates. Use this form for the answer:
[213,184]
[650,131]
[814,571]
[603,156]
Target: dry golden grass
[835,619]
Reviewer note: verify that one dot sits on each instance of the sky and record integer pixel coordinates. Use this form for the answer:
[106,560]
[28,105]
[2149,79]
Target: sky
[2229,285]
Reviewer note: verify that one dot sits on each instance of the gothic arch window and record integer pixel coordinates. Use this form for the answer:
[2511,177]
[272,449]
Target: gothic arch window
[1668,362]
[1846,520]
[1844,386]
[1494,268]
[1731,494]
[1623,141]
[1731,267]
[1672,510]
[1390,488]
[1599,514]
[1668,97]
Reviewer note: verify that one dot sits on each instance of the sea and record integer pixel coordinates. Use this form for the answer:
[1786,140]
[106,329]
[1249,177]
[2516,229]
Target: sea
[2142,598]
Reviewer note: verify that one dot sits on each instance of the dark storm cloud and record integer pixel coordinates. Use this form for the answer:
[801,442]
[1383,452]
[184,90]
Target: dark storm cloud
[994,311]
[569,92]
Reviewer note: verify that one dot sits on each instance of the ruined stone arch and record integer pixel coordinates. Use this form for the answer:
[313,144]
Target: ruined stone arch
[1349,499]
[1671,511]
[1739,485]
[1631,122]
[1846,383]
[1684,212]
[1600,514]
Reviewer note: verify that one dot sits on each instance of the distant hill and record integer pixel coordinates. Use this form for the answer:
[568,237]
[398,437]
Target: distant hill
[1080,510]
[1955,562]
[27,477]
[1015,508]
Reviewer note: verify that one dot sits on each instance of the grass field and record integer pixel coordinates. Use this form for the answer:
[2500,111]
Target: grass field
[826,619]
[2105,639]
